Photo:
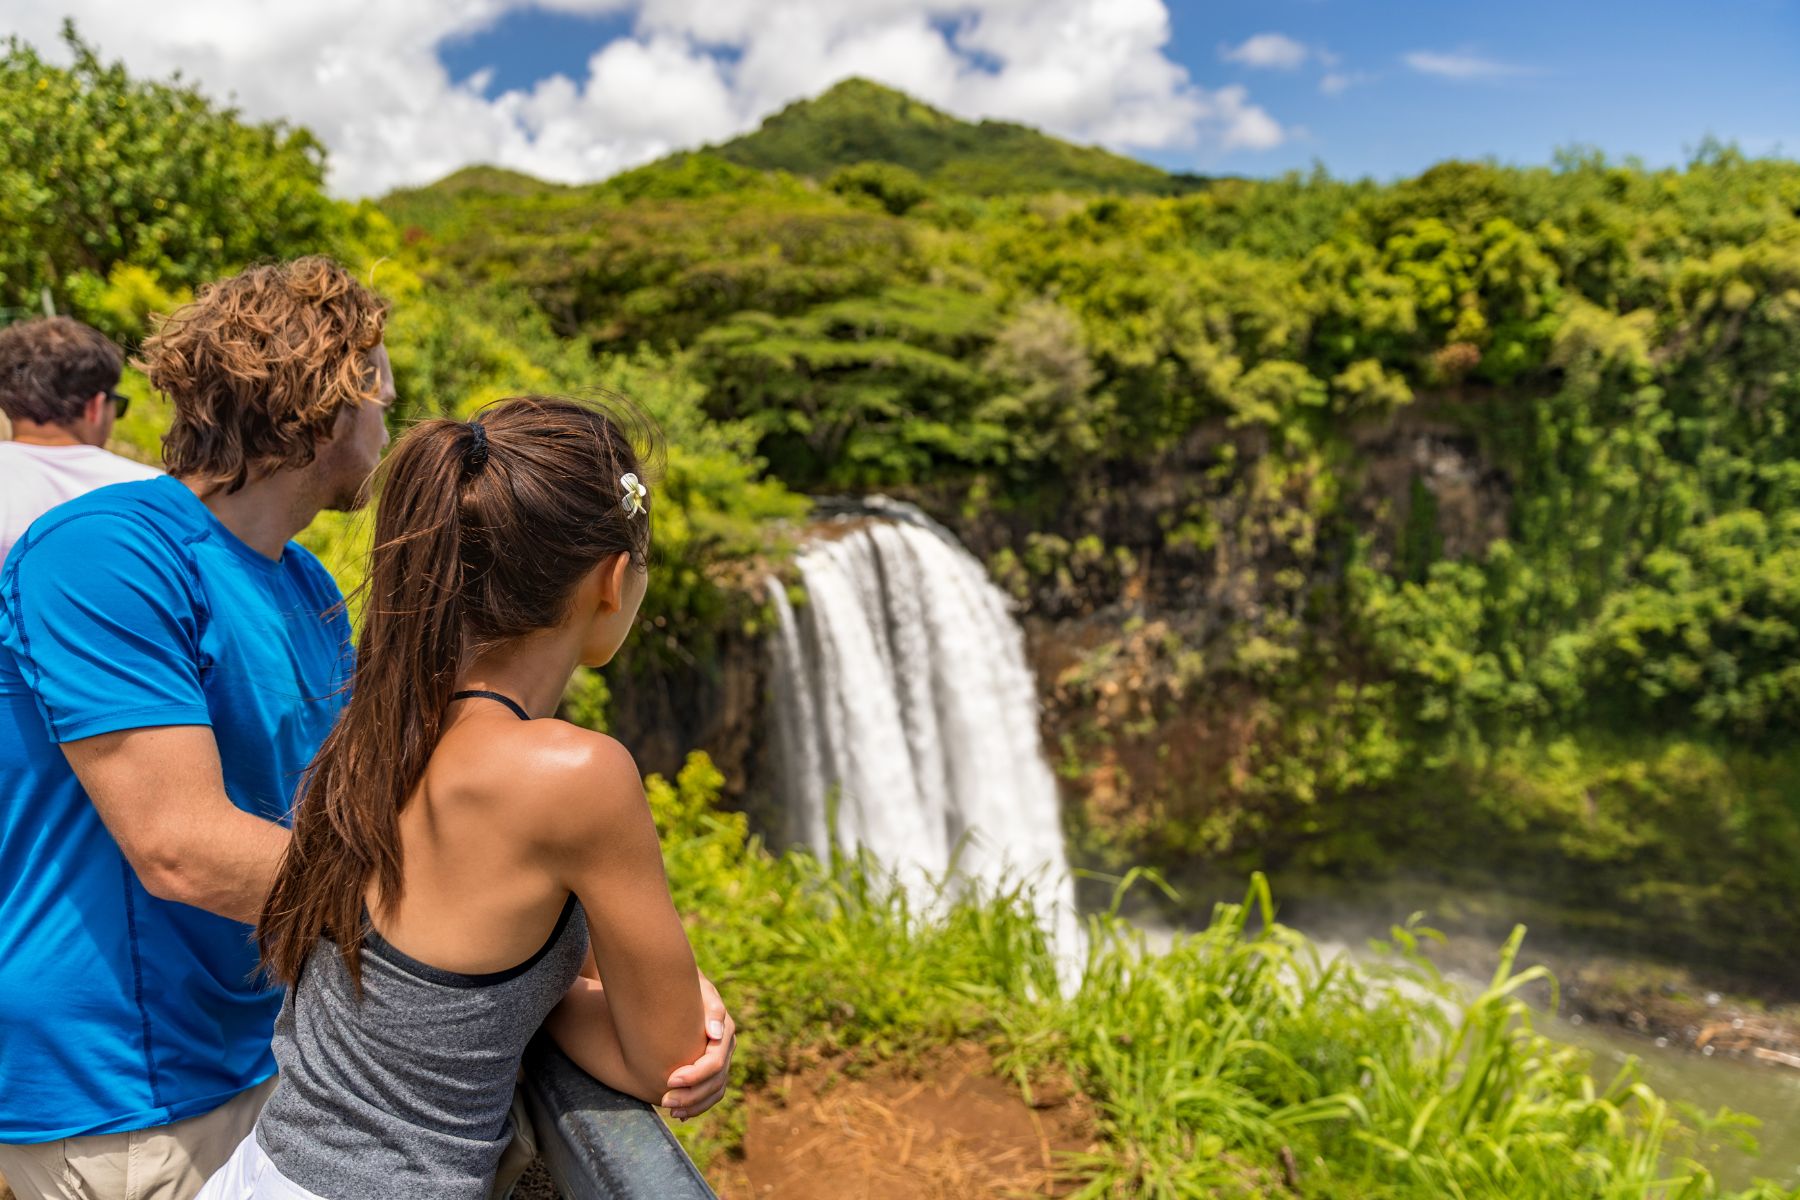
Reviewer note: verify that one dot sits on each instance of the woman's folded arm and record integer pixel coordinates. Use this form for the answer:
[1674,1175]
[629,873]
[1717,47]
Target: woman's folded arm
[644,1018]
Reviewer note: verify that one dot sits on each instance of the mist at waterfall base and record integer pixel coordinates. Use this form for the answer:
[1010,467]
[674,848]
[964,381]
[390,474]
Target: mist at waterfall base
[907,717]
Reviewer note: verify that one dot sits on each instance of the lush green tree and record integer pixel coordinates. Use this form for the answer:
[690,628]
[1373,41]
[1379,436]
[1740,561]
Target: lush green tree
[1410,479]
[857,121]
[117,194]
[889,185]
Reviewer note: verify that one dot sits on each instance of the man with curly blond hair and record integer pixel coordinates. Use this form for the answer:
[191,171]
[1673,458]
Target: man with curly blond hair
[169,662]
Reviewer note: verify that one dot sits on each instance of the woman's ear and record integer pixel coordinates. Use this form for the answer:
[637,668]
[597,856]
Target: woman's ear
[609,577]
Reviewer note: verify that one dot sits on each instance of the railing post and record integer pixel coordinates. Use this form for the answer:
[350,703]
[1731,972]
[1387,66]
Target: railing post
[598,1144]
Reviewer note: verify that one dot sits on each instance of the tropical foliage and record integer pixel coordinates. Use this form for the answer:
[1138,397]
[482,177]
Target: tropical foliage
[1238,1062]
[1455,520]
[1406,476]
[862,136]
[117,195]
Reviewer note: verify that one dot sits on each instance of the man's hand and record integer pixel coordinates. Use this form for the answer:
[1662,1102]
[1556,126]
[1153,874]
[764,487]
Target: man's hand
[701,1084]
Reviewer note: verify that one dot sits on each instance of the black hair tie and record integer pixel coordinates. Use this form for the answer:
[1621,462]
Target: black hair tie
[475,455]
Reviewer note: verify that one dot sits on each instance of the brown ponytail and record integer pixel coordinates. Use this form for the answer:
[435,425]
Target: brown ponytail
[481,534]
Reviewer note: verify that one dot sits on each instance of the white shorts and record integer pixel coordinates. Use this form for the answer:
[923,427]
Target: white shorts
[249,1175]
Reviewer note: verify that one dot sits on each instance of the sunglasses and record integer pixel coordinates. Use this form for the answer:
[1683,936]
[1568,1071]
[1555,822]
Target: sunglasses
[121,404]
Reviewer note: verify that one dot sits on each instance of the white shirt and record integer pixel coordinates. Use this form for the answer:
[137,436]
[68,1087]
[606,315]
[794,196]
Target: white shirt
[35,479]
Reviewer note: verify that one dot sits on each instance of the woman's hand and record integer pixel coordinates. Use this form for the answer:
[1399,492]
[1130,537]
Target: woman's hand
[701,1084]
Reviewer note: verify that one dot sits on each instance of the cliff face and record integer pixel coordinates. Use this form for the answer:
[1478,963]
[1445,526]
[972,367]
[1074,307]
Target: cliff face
[1162,605]
[664,711]
[1218,525]
[1151,600]
[1209,706]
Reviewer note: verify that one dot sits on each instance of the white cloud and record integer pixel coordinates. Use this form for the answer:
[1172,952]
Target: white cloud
[1336,83]
[367,79]
[1275,50]
[1279,52]
[1460,66]
[1245,126]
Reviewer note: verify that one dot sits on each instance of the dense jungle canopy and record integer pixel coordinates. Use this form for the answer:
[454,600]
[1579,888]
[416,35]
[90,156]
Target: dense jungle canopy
[1447,526]
[1458,515]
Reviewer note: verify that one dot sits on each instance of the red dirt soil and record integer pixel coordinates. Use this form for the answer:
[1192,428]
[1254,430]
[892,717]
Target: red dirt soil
[944,1128]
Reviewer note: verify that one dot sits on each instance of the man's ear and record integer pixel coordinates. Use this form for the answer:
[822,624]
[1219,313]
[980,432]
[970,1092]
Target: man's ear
[346,413]
[94,411]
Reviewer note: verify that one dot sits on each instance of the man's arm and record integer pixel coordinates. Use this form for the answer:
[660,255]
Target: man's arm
[161,793]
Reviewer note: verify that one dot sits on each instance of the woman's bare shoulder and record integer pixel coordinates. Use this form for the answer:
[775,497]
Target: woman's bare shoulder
[567,783]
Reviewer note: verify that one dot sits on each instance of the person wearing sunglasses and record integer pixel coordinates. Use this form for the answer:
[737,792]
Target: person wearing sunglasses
[170,663]
[59,389]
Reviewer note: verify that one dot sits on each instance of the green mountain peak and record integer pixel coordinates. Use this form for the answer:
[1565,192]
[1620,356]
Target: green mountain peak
[860,121]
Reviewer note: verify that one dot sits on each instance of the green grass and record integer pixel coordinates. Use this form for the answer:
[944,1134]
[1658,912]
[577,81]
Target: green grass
[1212,1065]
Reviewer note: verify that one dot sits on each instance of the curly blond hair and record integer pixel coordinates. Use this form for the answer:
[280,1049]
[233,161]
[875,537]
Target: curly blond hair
[260,365]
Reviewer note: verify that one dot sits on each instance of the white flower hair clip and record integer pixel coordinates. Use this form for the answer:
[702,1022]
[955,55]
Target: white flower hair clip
[634,494]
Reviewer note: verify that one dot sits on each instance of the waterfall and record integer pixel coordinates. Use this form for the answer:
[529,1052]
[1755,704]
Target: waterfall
[902,695]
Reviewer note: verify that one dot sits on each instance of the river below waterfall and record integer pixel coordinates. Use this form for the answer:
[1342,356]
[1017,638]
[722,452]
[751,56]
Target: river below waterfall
[1770,1093]
[906,723]
[1477,921]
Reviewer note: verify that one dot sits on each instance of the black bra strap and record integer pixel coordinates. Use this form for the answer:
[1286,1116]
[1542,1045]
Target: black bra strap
[518,710]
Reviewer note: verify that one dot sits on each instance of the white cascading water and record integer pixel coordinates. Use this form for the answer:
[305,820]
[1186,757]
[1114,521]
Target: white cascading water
[901,688]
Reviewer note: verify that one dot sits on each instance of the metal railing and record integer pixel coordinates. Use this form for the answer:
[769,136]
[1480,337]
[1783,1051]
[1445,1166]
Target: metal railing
[598,1144]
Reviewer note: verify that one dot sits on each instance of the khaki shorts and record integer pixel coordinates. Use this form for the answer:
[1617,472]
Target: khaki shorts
[164,1162]
[173,1162]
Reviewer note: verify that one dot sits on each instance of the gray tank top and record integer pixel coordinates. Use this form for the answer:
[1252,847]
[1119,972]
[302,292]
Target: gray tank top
[407,1090]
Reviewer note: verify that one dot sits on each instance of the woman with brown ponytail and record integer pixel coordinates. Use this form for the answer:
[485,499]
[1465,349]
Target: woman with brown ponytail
[456,851]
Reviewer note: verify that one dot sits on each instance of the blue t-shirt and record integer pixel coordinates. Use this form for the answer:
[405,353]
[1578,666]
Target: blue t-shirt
[133,606]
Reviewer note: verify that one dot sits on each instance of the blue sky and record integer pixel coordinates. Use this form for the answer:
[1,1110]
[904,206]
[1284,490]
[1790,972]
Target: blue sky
[405,91]
[1651,78]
